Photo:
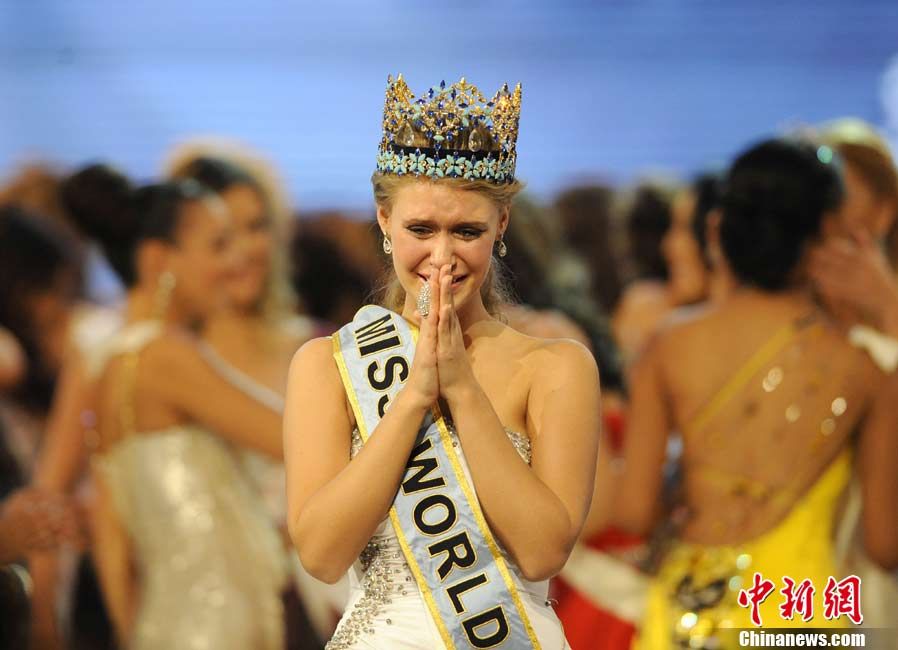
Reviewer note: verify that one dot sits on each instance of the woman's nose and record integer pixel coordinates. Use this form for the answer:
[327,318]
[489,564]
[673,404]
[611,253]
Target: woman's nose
[442,253]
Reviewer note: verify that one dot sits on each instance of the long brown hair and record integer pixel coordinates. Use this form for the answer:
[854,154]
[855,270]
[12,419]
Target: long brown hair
[494,292]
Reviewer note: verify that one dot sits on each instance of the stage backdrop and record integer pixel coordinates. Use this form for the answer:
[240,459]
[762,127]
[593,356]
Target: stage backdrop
[614,89]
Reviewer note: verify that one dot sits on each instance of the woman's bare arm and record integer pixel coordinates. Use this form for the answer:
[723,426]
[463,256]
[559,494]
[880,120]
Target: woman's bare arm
[173,368]
[111,550]
[599,516]
[63,453]
[12,360]
[537,512]
[636,502]
[61,462]
[335,506]
[878,471]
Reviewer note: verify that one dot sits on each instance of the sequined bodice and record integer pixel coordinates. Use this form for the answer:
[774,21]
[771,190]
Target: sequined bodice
[211,566]
[383,574]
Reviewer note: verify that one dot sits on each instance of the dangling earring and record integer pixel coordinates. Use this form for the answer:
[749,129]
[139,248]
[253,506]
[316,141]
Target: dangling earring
[388,245]
[502,249]
[164,288]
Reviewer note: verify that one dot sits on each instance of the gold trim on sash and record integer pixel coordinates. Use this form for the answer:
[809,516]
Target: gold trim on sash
[394,517]
[446,439]
[483,526]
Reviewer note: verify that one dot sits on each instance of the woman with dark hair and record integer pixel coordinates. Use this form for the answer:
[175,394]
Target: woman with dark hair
[685,247]
[550,284]
[67,606]
[39,286]
[171,497]
[585,214]
[645,300]
[766,393]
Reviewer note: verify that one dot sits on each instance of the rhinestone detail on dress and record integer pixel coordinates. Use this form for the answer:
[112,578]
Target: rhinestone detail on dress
[386,574]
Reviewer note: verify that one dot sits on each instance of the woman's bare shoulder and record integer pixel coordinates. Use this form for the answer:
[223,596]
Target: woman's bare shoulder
[172,361]
[544,323]
[314,371]
[688,329]
[315,356]
[548,354]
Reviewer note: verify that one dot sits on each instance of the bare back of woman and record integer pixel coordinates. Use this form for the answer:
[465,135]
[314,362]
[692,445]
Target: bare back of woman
[754,442]
[772,404]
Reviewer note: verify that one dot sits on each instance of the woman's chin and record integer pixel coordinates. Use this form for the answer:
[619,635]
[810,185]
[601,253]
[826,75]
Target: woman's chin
[244,297]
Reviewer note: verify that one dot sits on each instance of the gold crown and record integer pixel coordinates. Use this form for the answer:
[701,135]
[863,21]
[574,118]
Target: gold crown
[450,132]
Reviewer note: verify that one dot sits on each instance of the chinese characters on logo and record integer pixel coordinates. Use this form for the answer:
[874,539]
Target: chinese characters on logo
[840,598]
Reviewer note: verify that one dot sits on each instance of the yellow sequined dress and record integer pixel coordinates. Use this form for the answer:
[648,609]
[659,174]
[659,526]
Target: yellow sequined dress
[770,456]
[694,595]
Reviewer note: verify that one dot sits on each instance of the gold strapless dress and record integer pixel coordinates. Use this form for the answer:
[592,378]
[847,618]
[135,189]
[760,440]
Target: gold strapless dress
[210,562]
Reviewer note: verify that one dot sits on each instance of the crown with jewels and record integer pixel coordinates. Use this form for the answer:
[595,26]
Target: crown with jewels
[450,132]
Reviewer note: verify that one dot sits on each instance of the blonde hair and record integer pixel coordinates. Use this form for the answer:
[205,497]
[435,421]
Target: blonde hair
[868,154]
[278,301]
[495,291]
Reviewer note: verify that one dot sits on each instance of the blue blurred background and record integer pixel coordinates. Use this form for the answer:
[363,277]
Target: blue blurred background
[612,90]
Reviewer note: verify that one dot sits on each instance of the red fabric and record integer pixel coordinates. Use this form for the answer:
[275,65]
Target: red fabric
[614,426]
[590,628]
[586,626]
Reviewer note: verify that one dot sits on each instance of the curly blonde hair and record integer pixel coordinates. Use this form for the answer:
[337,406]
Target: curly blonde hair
[494,292]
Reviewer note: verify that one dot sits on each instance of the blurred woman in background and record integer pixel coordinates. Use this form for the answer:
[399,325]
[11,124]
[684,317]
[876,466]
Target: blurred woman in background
[855,271]
[645,299]
[854,274]
[67,607]
[587,226]
[185,553]
[766,392]
[257,333]
[689,261]
[38,291]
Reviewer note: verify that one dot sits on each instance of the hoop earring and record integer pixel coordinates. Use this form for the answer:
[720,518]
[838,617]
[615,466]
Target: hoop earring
[502,249]
[388,245]
[166,284]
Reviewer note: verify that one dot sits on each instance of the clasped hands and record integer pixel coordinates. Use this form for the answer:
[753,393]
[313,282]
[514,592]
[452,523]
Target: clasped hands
[441,367]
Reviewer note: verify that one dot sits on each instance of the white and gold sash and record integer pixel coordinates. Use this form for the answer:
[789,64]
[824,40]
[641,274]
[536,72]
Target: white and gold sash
[462,576]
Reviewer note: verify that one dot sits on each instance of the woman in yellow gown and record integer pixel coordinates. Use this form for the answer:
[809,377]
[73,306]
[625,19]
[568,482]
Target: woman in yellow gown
[773,407]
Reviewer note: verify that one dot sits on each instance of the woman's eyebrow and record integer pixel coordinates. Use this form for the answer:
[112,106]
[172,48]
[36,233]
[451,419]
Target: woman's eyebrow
[421,221]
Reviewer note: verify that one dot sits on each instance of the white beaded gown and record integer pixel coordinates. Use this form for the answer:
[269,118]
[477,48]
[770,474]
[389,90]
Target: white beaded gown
[211,566]
[386,609]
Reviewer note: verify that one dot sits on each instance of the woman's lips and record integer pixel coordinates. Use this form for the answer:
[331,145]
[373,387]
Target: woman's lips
[455,281]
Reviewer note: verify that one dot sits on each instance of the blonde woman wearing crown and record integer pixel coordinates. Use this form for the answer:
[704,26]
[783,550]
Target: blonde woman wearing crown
[442,458]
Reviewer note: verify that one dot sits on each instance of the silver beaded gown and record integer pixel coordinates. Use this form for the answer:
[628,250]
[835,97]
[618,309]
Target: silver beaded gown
[211,566]
[385,608]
